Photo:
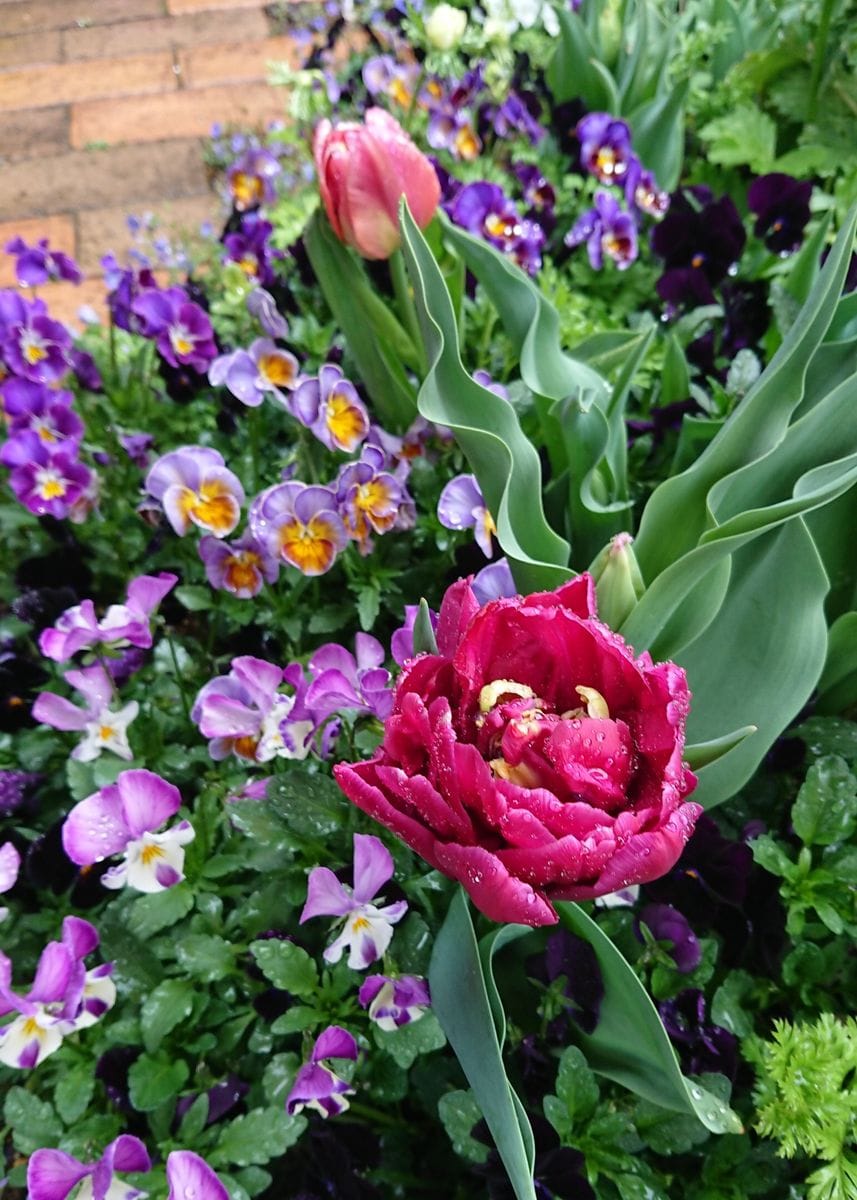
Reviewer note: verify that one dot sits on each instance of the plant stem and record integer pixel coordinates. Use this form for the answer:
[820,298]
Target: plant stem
[412,107]
[405,305]
[177,673]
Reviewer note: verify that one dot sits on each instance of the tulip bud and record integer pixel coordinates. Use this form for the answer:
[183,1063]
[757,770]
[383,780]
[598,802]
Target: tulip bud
[363,171]
[445,27]
[618,582]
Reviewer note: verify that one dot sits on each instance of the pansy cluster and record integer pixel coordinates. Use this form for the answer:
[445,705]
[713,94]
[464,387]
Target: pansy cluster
[609,229]
[54,1174]
[42,449]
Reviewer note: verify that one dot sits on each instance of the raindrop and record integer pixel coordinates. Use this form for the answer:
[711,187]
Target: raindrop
[696,1093]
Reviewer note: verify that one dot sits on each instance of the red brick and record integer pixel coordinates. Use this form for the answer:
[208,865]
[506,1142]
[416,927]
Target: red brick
[59,230]
[29,48]
[65,299]
[241,62]
[188,113]
[180,7]
[38,87]
[43,131]
[83,179]
[103,229]
[26,15]
[167,33]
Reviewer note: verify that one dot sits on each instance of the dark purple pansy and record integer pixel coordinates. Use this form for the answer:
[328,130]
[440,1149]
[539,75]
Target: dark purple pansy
[569,957]
[667,924]
[702,1047]
[250,248]
[223,1098]
[699,239]
[781,205]
[605,146]
[16,787]
[38,264]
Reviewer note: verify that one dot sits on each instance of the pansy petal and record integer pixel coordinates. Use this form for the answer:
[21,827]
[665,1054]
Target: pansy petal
[148,801]
[326,897]
[334,1042]
[10,861]
[373,866]
[53,974]
[95,828]
[51,1174]
[58,712]
[127,1153]
[79,936]
[191,1178]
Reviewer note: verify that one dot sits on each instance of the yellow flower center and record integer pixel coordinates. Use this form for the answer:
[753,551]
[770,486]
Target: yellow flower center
[344,421]
[150,853]
[242,570]
[277,369]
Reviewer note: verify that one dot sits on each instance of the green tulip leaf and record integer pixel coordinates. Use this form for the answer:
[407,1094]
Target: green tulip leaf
[575,69]
[629,1044]
[837,687]
[487,428]
[700,754]
[467,1005]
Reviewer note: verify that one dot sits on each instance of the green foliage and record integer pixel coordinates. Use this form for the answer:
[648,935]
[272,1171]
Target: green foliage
[744,136]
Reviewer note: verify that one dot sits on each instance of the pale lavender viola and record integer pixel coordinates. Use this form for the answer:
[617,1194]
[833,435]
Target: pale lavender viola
[262,305]
[392,1003]
[371,498]
[607,229]
[123,624]
[38,264]
[195,487]
[316,1086]
[329,406]
[47,481]
[51,1174]
[245,713]
[124,818]
[191,1178]
[367,928]
[262,370]
[356,681]
[64,997]
[180,329]
[102,727]
[494,582]
[240,568]
[462,506]
[299,524]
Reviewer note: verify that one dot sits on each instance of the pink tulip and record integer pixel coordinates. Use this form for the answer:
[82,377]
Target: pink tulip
[363,172]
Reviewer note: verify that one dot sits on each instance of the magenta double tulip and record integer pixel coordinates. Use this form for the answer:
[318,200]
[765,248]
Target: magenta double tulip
[363,171]
[534,757]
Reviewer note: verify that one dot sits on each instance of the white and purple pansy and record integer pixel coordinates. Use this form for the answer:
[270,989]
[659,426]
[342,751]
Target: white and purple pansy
[394,1002]
[462,506]
[102,728]
[10,863]
[368,929]
[191,1178]
[64,997]
[123,624]
[316,1086]
[124,818]
[51,1174]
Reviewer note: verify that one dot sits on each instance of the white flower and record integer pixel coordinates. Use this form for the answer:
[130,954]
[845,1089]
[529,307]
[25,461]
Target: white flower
[445,27]
[107,731]
[153,862]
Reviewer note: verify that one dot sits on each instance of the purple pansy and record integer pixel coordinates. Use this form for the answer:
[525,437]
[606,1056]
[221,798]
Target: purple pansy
[299,523]
[65,997]
[781,205]
[316,1086]
[137,447]
[702,1047]
[78,627]
[37,348]
[51,1174]
[344,680]
[180,329]
[240,567]
[486,211]
[605,146]
[103,729]
[38,264]
[123,818]
[699,239]
[368,930]
[42,410]
[462,506]
[124,285]
[245,713]
[47,481]
[394,1002]
[251,178]
[514,118]
[667,924]
[191,1178]
[607,229]
[494,581]
[250,374]
[195,486]
[250,248]
[370,498]
[330,407]
[642,193]
[263,306]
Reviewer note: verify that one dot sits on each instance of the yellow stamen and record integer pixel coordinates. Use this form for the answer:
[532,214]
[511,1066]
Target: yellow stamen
[51,488]
[277,369]
[596,705]
[105,732]
[32,1028]
[149,853]
[502,690]
[522,775]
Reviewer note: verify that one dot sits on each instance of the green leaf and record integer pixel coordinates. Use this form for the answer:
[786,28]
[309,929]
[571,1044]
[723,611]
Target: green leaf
[829,735]
[746,135]
[459,1112]
[148,915]
[205,956]
[486,426]
[462,1003]
[837,686]
[33,1122]
[825,810]
[257,1137]
[287,966]
[298,1018]
[728,1006]
[163,1009]
[194,1120]
[73,1092]
[424,639]
[576,1093]
[311,805]
[702,753]
[575,69]
[658,132]
[630,1045]
[194,598]
[155,1079]
[368,605]
[667,1132]
[770,855]
[406,1044]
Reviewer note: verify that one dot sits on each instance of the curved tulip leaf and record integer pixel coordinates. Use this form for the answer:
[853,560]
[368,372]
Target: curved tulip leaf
[677,513]
[837,686]
[377,341]
[629,1044]
[700,754]
[658,131]
[465,1001]
[487,428]
[575,69]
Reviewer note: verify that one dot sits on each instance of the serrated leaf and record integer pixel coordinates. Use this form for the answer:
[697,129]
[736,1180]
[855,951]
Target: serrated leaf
[825,810]
[406,1044]
[667,1132]
[194,598]
[287,966]
[576,1085]
[311,805]
[727,1007]
[298,1018]
[163,1009]
[256,1137]
[73,1093]
[771,856]
[829,735]
[155,1079]
[745,135]
[33,1121]
[205,956]
[194,1120]
[278,1077]
[459,1112]
[368,606]
[150,914]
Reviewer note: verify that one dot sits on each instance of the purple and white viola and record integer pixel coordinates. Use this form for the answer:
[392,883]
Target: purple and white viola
[123,818]
[51,1174]
[607,230]
[605,146]
[64,997]
[316,1086]
[462,506]
[102,728]
[392,1003]
[122,624]
[367,929]
[357,681]
[180,329]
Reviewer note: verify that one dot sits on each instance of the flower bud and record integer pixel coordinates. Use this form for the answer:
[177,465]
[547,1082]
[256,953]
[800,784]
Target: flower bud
[445,27]
[618,582]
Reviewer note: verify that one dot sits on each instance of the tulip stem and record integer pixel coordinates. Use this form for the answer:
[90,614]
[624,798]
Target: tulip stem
[407,311]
